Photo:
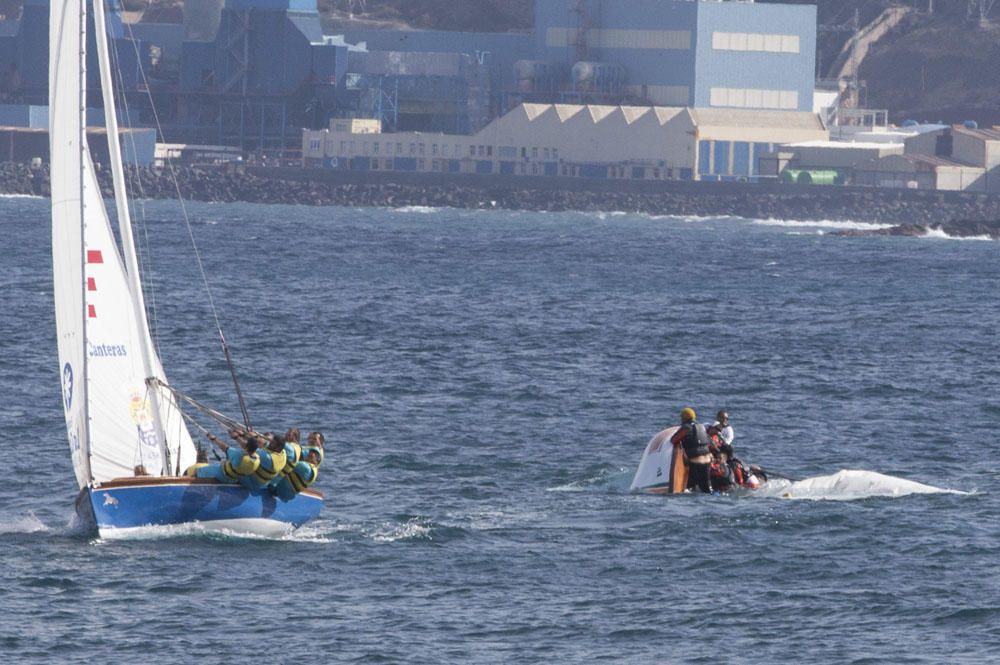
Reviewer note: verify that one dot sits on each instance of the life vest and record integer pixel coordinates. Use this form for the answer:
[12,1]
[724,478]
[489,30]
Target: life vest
[695,439]
[277,464]
[296,476]
[293,453]
[193,469]
[247,465]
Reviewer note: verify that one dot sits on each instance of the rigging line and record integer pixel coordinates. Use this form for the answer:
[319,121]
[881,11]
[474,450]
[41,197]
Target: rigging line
[207,410]
[190,231]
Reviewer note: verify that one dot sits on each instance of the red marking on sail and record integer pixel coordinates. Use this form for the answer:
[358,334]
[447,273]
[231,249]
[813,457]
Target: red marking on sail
[91,312]
[94,256]
[91,284]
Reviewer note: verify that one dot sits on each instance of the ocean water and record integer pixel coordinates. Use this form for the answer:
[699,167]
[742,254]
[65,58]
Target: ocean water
[488,380]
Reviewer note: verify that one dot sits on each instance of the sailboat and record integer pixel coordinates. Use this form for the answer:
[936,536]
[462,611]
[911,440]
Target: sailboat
[128,437]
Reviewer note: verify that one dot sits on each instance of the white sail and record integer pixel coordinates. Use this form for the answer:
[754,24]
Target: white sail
[66,118]
[120,423]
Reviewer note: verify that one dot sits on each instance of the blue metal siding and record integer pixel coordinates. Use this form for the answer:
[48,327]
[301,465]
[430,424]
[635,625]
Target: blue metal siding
[361,163]
[405,163]
[593,171]
[653,67]
[551,168]
[741,158]
[704,157]
[454,166]
[721,153]
[756,70]
[484,166]
[685,174]
[758,150]
[506,168]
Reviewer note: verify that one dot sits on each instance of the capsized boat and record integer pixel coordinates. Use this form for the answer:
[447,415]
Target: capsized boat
[663,469]
[127,434]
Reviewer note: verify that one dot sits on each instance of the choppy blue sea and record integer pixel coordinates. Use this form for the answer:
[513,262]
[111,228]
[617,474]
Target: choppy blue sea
[488,381]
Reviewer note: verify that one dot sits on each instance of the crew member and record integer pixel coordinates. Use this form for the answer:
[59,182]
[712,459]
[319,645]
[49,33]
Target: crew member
[302,476]
[240,461]
[200,462]
[293,454]
[693,438]
[724,428]
[272,462]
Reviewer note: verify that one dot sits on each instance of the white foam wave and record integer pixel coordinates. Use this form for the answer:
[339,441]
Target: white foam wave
[409,530]
[21,196]
[420,210]
[840,225]
[27,524]
[848,485]
[939,234]
[311,533]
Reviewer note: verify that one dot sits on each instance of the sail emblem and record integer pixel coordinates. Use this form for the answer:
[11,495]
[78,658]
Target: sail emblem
[67,381]
[142,416]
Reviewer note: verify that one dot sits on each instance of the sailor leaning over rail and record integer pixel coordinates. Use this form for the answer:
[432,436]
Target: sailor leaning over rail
[293,453]
[303,473]
[272,462]
[241,461]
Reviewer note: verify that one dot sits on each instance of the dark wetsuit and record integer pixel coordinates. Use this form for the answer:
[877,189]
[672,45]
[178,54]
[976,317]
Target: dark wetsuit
[693,437]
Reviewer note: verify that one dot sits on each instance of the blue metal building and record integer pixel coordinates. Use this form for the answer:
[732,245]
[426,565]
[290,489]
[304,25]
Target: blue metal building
[684,52]
[267,72]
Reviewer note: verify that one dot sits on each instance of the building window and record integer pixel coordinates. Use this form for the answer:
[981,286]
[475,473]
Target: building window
[413,148]
[421,164]
[472,151]
[489,151]
[656,174]
[351,147]
[375,148]
[755,41]
[399,148]
[534,169]
[555,153]
[421,148]
[534,153]
[434,150]
[753,98]
[314,144]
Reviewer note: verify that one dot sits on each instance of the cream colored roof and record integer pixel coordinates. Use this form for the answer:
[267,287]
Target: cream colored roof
[597,113]
[755,118]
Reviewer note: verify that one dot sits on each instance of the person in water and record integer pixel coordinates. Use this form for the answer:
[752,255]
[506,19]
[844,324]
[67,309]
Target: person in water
[725,430]
[692,437]
[241,461]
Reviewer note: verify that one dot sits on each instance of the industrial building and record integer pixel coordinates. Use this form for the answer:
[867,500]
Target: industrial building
[959,158]
[573,140]
[253,73]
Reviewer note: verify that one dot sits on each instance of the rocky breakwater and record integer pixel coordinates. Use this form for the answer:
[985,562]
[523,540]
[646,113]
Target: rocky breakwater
[915,212]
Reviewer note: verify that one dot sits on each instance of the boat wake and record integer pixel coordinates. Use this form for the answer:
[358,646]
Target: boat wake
[26,524]
[848,485]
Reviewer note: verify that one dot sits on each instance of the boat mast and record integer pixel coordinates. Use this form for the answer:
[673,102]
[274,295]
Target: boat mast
[125,222]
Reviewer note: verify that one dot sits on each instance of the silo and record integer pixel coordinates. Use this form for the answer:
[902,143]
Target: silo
[201,19]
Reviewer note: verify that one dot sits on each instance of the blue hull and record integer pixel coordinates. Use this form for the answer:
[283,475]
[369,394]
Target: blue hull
[165,501]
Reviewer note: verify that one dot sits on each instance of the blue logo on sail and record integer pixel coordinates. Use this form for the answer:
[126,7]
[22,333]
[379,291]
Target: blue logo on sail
[67,381]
